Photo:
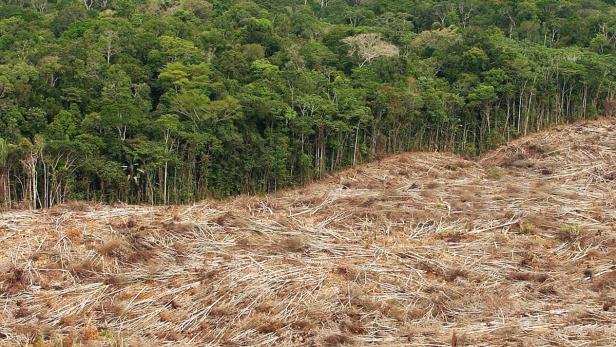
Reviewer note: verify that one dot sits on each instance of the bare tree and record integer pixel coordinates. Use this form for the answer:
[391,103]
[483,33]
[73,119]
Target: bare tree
[108,41]
[466,8]
[39,5]
[369,47]
[50,67]
[88,4]
[442,11]
[29,164]
[609,33]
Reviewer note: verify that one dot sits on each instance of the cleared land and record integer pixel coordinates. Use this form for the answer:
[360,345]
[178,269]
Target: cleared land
[518,248]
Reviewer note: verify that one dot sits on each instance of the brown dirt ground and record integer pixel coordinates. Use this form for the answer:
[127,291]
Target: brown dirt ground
[422,249]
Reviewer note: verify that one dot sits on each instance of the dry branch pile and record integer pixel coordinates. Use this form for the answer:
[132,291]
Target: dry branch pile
[518,248]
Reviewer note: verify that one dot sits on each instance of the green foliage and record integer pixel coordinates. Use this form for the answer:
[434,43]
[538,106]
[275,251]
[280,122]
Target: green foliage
[4,152]
[568,233]
[172,101]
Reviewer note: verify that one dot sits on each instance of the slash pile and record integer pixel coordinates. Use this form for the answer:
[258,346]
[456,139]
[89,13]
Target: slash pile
[517,248]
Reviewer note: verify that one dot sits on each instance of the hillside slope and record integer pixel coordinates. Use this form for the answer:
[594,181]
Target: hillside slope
[518,248]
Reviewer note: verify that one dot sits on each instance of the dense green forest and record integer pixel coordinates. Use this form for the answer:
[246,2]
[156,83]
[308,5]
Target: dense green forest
[171,101]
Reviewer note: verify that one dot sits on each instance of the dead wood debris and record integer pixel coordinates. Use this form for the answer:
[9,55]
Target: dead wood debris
[418,249]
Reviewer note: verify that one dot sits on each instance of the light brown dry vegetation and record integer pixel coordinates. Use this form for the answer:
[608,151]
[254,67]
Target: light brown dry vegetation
[518,248]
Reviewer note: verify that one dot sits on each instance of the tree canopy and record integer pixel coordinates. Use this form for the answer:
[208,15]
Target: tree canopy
[151,101]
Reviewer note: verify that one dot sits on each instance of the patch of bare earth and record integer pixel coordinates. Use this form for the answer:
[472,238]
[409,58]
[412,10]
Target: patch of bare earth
[518,248]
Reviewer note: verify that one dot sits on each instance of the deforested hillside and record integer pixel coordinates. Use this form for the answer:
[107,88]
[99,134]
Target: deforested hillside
[516,248]
[174,101]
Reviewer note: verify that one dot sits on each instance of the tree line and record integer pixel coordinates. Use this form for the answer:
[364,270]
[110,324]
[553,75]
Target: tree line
[172,101]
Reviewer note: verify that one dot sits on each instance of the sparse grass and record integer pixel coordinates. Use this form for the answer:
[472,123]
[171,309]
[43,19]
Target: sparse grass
[452,166]
[113,248]
[89,333]
[293,244]
[75,205]
[606,281]
[270,327]
[432,185]
[85,268]
[528,276]
[527,228]
[336,340]
[568,233]
[495,173]
[453,273]
[522,164]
